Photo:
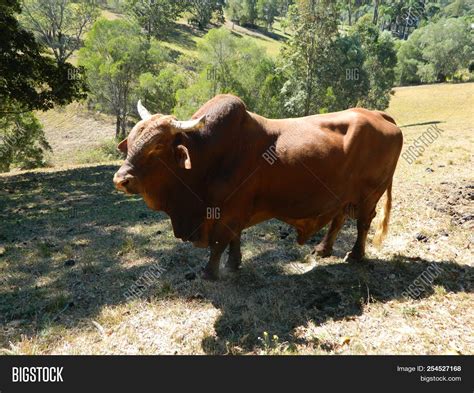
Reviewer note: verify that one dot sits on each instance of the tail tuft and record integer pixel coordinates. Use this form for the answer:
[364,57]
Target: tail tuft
[382,228]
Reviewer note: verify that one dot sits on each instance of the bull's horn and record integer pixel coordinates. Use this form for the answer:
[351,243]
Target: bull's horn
[142,111]
[188,125]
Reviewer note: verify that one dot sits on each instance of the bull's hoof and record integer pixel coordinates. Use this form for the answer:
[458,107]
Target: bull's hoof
[322,251]
[352,257]
[209,275]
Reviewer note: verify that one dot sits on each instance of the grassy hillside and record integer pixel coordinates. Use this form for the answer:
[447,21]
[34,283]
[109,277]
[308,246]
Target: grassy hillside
[79,136]
[184,39]
[75,133]
[71,246]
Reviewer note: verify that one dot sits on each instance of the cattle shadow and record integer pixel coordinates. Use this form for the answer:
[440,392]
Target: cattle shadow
[425,123]
[263,31]
[264,297]
[49,219]
[62,239]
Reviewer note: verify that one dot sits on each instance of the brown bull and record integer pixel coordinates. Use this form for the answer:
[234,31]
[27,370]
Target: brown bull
[228,169]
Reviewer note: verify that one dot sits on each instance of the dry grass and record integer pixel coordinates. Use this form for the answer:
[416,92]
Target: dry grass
[73,131]
[70,246]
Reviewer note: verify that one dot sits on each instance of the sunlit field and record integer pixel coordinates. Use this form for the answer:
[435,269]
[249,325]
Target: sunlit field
[71,246]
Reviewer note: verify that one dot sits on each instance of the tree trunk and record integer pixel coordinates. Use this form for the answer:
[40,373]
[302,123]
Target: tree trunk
[123,126]
[376,12]
[117,126]
[349,12]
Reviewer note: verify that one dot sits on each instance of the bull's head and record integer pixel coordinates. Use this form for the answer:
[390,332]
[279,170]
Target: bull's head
[154,143]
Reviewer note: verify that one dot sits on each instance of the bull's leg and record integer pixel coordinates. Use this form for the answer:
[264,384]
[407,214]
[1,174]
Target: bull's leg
[363,224]
[235,256]
[324,248]
[211,271]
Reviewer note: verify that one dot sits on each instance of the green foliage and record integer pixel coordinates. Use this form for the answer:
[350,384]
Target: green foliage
[59,24]
[29,78]
[158,92]
[249,12]
[22,142]
[202,11]
[157,17]
[235,10]
[232,65]
[267,10]
[459,8]
[115,54]
[379,65]
[309,56]
[327,70]
[242,11]
[435,52]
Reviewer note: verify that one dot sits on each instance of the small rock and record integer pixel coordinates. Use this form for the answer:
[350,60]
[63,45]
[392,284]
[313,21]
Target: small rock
[69,262]
[429,170]
[392,276]
[190,276]
[421,238]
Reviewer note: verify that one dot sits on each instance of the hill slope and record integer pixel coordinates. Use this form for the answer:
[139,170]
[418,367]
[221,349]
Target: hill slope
[71,247]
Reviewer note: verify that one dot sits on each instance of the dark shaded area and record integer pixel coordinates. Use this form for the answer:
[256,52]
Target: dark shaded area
[79,208]
[426,123]
[181,36]
[261,30]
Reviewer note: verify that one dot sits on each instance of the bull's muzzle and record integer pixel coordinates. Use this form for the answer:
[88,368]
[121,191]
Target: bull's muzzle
[125,182]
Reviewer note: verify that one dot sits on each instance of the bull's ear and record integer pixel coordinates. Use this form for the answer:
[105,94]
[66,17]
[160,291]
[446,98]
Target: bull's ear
[122,146]
[182,157]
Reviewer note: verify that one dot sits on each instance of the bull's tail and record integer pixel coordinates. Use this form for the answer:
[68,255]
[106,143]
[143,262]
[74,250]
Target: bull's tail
[383,224]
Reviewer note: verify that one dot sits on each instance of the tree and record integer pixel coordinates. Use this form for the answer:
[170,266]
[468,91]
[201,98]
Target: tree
[379,64]
[203,10]
[159,91]
[22,142]
[235,10]
[59,24]
[232,65]
[307,55]
[29,78]
[114,55]
[267,10]
[250,7]
[435,52]
[375,18]
[459,8]
[157,17]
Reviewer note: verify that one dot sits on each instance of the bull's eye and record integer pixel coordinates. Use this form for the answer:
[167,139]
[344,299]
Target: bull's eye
[158,147]
[154,150]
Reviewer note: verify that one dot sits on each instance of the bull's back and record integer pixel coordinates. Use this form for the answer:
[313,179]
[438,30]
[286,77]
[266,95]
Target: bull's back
[321,162]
